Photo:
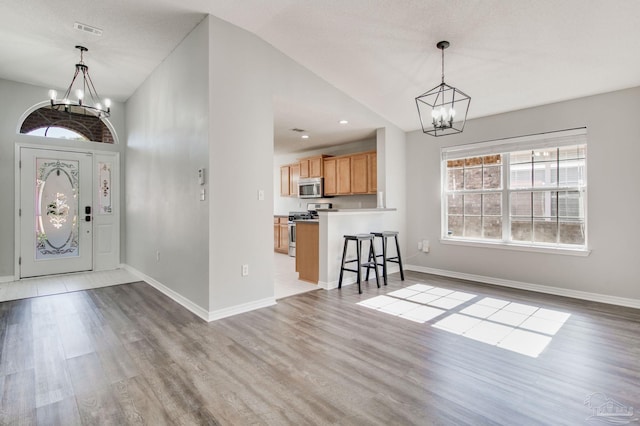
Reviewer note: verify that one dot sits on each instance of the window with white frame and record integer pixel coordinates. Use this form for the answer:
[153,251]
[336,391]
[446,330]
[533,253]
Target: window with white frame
[526,191]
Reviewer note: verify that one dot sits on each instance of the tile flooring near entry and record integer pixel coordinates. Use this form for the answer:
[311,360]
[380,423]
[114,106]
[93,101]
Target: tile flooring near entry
[286,278]
[286,282]
[63,283]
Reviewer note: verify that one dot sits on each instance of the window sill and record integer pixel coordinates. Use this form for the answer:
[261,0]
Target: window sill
[518,247]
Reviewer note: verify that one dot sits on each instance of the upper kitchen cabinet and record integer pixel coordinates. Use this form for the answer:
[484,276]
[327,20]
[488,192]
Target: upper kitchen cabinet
[372,172]
[343,175]
[359,174]
[312,167]
[330,182]
[351,174]
[285,186]
[294,176]
[289,175]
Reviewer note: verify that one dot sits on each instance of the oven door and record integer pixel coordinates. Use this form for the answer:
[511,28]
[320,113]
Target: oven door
[292,239]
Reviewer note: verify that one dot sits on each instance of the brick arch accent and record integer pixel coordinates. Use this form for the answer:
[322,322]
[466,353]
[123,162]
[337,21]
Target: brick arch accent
[89,126]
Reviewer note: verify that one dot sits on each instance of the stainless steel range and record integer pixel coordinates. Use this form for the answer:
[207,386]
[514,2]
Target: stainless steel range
[310,214]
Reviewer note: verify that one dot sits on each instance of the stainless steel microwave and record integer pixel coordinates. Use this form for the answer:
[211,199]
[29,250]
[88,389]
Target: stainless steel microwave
[310,188]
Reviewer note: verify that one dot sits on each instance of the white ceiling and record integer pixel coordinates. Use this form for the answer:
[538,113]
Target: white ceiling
[506,54]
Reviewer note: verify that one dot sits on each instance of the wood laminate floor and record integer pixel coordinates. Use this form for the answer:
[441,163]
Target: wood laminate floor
[129,355]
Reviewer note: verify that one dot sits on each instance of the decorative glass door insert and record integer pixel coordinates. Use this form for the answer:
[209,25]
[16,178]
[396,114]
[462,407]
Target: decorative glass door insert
[56,212]
[56,208]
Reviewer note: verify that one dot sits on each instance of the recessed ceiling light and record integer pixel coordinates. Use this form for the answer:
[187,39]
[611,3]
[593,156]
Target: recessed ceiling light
[344,122]
[305,136]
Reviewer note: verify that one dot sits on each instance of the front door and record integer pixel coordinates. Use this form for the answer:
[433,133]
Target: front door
[55,212]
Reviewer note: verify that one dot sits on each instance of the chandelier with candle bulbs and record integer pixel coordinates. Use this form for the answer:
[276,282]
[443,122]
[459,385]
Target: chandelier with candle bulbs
[443,109]
[84,98]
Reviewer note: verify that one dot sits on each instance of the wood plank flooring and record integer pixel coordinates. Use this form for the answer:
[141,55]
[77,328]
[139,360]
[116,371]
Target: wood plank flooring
[129,355]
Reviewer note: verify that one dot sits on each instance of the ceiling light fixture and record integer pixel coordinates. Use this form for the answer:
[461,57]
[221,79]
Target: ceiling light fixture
[439,106]
[344,122]
[305,136]
[87,99]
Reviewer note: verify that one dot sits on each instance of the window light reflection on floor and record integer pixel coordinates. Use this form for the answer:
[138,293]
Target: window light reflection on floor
[517,327]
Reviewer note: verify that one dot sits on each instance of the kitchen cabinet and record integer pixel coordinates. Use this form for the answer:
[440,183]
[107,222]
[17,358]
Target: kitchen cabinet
[372,172]
[343,175]
[312,167]
[330,183]
[285,185]
[359,174]
[281,234]
[289,175]
[351,174]
[294,175]
[308,251]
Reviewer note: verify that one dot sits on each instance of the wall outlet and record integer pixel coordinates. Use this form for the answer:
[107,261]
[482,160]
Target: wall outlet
[260,194]
[425,246]
[245,270]
[419,245]
[157,256]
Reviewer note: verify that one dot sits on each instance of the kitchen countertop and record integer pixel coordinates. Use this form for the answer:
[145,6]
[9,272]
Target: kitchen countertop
[316,221]
[365,210]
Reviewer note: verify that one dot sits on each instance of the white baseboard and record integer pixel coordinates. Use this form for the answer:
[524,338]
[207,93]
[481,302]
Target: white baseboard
[240,309]
[175,296]
[575,294]
[7,279]
[196,309]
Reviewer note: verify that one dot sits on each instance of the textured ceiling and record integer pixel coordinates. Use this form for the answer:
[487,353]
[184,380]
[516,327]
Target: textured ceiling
[505,54]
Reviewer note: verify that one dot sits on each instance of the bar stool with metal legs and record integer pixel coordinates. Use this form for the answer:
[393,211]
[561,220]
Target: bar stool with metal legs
[385,253]
[359,238]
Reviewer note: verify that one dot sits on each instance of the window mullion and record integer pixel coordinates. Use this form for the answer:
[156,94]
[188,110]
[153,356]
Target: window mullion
[506,195]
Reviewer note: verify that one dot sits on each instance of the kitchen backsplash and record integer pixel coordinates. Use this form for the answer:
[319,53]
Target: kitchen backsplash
[284,205]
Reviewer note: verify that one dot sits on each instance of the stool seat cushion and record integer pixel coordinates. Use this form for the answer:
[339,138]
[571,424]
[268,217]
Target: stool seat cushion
[385,233]
[359,237]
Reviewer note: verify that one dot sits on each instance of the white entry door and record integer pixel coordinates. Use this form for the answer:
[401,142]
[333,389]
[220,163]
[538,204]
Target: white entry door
[55,212]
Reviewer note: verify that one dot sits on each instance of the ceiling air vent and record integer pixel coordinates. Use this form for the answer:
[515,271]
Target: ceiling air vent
[87,29]
[298,130]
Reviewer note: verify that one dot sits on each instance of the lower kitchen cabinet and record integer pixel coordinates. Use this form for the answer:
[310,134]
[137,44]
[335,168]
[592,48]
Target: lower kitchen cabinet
[281,234]
[308,251]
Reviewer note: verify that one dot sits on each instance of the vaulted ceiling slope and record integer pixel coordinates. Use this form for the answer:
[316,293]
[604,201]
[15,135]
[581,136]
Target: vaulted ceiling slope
[505,54]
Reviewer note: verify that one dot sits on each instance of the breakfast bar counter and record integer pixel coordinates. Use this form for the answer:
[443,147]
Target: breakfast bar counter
[334,224]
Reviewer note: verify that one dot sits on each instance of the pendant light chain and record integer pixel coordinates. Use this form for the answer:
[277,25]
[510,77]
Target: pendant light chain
[442,50]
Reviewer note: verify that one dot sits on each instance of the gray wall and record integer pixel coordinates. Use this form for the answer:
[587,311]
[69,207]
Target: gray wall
[211,104]
[613,266]
[167,142]
[22,98]
[241,138]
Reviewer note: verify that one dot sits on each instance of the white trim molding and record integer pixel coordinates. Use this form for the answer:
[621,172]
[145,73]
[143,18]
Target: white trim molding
[240,309]
[196,309]
[173,295]
[557,291]
[7,279]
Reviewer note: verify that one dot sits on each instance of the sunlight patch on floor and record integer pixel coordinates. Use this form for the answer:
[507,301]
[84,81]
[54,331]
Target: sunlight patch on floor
[517,327]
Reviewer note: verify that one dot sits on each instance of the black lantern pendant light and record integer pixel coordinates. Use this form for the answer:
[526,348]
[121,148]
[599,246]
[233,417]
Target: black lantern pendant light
[443,109]
[87,99]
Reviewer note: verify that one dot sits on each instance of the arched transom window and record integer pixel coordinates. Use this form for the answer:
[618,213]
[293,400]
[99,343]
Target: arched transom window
[66,125]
